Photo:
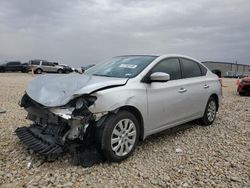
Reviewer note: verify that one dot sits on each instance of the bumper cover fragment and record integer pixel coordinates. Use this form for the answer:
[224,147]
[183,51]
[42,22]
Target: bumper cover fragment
[35,140]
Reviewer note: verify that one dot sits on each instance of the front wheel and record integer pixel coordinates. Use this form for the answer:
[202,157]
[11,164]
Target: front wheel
[210,112]
[118,136]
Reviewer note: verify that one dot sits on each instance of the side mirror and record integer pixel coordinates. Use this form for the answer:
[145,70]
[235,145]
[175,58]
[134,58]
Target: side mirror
[159,77]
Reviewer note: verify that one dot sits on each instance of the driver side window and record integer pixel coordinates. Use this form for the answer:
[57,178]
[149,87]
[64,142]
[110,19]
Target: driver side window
[170,66]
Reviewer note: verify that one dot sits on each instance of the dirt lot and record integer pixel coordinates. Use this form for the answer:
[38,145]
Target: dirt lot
[215,156]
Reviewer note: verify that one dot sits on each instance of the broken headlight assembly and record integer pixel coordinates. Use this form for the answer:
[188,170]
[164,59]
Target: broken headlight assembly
[77,115]
[76,108]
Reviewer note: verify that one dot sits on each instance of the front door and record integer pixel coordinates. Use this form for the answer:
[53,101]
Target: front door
[167,102]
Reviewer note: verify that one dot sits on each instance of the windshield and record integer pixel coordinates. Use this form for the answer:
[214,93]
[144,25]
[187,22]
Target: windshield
[122,66]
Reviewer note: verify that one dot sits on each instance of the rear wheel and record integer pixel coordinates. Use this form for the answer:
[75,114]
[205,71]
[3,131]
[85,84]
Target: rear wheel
[241,93]
[118,136]
[60,71]
[210,112]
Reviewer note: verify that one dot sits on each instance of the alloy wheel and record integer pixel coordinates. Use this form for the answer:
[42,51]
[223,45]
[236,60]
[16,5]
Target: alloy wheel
[211,111]
[123,137]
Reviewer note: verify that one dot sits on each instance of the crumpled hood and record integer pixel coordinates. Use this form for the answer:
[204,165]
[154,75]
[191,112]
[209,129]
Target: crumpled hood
[57,90]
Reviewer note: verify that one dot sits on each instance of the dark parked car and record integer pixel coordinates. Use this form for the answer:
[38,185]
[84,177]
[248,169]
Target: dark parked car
[13,66]
[66,68]
[26,67]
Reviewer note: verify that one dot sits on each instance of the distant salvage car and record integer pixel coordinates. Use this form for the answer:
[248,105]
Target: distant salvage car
[81,70]
[40,66]
[13,66]
[117,103]
[244,86]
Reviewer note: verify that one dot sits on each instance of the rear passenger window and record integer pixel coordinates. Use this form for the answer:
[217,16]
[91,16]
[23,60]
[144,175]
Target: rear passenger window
[170,66]
[13,63]
[45,63]
[190,68]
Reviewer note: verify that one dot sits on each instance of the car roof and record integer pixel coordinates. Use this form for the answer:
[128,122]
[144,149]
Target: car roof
[163,56]
[179,55]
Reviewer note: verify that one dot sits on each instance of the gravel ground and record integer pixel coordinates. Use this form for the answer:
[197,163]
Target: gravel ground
[215,156]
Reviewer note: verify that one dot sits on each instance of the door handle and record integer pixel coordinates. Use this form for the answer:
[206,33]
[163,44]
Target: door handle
[182,90]
[206,86]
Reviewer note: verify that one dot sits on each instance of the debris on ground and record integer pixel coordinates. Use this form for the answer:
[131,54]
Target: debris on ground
[29,164]
[2,111]
[178,150]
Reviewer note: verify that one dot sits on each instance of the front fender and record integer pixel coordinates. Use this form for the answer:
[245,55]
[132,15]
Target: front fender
[114,98]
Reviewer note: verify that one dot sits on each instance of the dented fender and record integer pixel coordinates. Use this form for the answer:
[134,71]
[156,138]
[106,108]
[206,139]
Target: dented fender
[114,98]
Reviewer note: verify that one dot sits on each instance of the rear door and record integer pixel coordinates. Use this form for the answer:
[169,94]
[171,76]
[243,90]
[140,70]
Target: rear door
[47,66]
[52,67]
[196,86]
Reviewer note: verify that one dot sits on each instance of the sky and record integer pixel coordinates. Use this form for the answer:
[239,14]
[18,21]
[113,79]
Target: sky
[81,32]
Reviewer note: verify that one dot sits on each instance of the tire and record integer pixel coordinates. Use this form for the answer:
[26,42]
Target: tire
[123,145]
[242,93]
[59,71]
[210,112]
[39,71]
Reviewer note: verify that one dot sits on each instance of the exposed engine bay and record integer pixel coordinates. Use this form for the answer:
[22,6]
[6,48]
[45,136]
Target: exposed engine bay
[56,130]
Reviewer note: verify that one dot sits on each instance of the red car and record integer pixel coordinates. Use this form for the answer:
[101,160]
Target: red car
[244,86]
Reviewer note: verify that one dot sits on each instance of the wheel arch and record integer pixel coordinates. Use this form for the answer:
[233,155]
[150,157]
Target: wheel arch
[38,68]
[215,96]
[138,116]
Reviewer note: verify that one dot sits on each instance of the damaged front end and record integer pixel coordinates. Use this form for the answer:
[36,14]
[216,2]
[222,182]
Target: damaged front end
[58,129]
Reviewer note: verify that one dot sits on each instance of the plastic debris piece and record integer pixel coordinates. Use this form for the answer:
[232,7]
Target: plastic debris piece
[2,111]
[178,150]
[87,157]
[29,165]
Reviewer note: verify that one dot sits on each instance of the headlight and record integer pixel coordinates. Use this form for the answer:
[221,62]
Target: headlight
[79,103]
[76,107]
[86,101]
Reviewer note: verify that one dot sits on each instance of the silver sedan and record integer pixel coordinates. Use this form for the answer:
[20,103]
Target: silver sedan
[117,103]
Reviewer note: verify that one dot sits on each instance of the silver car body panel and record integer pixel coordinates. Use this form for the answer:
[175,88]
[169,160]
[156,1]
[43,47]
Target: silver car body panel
[58,90]
[162,105]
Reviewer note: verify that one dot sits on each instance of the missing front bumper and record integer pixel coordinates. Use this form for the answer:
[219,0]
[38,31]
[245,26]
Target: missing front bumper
[45,141]
[49,142]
